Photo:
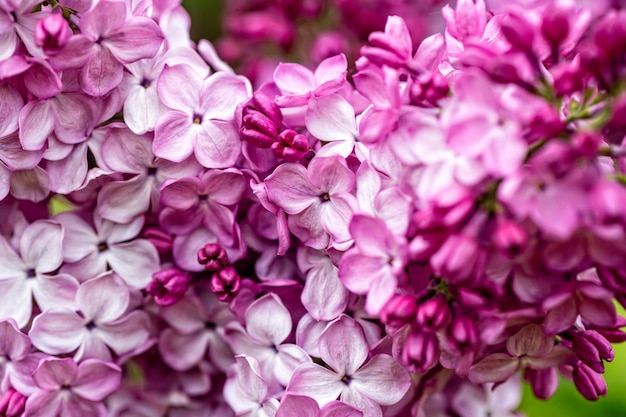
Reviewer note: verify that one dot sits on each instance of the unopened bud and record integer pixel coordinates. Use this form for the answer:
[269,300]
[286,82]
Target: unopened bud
[12,403]
[399,310]
[463,334]
[161,240]
[589,383]
[225,283]
[168,286]
[52,33]
[291,146]
[213,257]
[434,313]
[421,351]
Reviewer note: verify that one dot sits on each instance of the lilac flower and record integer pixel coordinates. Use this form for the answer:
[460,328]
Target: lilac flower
[376,264]
[204,200]
[88,252]
[246,391]
[101,321]
[68,388]
[365,386]
[28,275]
[201,115]
[109,38]
[317,199]
[301,406]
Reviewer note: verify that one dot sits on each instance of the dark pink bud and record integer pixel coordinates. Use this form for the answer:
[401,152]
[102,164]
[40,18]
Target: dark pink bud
[510,238]
[264,105]
[463,334]
[518,31]
[434,313]
[589,383]
[610,34]
[52,33]
[544,382]
[430,87]
[568,78]
[613,334]
[291,146]
[161,240]
[618,119]
[258,130]
[213,257]
[12,403]
[587,353]
[587,143]
[607,201]
[555,25]
[603,346]
[225,283]
[421,351]
[399,310]
[328,44]
[168,286]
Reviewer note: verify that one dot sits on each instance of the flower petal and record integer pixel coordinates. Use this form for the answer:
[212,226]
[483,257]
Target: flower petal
[343,346]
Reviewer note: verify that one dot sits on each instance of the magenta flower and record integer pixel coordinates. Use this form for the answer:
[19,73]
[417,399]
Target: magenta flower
[69,389]
[200,121]
[110,37]
[101,321]
[301,406]
[317,199]
[366,386]
[376,264]
[29,275]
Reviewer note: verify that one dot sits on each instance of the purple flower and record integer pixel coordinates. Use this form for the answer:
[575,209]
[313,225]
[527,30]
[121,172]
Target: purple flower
[110,37]
[363,385]
[67,388]
[200,121]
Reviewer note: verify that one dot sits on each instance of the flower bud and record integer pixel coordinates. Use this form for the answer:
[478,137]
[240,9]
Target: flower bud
[510,238]
[544,382]
[52,33]
[161,240]
[258,130]
[518,32]
[399,310]
[421,351]
[463,334]
[168,286]
[12,403]
[555,25]
[225,283]
[589,383]
[213,257]
[434,313]
[291,146]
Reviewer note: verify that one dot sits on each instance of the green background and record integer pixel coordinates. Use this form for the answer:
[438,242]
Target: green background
[205,16]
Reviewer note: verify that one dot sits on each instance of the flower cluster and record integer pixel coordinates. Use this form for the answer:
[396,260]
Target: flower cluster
[413,236]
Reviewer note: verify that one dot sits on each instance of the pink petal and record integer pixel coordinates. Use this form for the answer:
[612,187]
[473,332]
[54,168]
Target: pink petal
[179,88]
[220,95]
[69,173]
[312,380]
[139,38]
[530,341]
[217,144]
[121,201]
[186,247]
[382,379]
[10,105]
[331,68]
[15,157]
[142,109]
[36,120]
[174,136]
[13,343]
[55,291]
[101,74]
[497,367]
[52,374]
[58,330]
[16,301]
[43,404]
[297,406]
[331,118]
[294,79]
[331,174]
[268,321]
[323,295]
[224,187]
[134,261]
[336,214]
[105,17]
[41,246]
[343,346]
[79,239]
[289,187]
[183,352]
[127,334]
[380,292]
[96,379]
[126,152]
[32,185]
[181,194]
[103,299]
[288,359]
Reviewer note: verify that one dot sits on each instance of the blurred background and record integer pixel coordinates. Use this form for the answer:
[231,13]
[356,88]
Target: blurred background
[212,19]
